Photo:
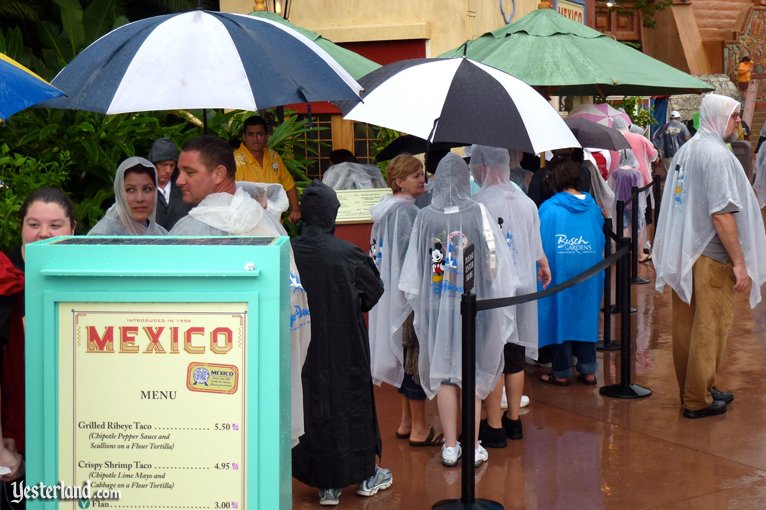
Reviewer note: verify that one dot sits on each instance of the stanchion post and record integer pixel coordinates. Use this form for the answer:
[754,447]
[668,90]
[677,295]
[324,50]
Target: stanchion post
[624,389]
[468,310]
[608,345]
[657,192]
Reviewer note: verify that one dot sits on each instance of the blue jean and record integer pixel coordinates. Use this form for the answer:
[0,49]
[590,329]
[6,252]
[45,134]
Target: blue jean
[562,358]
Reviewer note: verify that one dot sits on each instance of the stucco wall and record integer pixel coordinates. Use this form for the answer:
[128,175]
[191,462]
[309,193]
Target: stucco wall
[444,23]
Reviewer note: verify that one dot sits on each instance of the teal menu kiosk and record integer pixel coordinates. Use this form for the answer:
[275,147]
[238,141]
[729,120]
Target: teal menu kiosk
[158,368]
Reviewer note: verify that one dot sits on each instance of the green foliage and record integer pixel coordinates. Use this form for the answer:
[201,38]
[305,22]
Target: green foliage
[19,175]
[384,137]
[95,145]
[638,115]
[647,8]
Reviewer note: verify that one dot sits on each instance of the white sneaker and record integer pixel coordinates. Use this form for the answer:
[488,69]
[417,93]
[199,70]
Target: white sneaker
[480,456]
[451,454]
[504,401]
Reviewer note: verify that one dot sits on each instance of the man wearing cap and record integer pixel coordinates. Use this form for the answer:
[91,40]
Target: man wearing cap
[170,204]
[668,139]
[256,162]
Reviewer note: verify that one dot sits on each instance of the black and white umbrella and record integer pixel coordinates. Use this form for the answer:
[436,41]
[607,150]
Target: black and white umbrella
[460,101]
[201,59]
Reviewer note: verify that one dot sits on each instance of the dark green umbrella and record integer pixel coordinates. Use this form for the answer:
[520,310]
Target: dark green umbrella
[561,57]
[354,64]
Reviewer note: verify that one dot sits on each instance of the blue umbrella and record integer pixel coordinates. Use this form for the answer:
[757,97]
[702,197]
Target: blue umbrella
[199,60]
[20,88]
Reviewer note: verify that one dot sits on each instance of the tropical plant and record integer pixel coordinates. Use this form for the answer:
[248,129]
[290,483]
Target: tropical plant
[95,145]
[19,175]
[638,114]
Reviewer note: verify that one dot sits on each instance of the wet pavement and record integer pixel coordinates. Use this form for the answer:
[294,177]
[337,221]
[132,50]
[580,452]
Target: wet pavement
[585,451]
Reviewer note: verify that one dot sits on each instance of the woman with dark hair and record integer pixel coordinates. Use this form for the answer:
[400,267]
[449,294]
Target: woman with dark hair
[135,193]
[571,228]
[47,212]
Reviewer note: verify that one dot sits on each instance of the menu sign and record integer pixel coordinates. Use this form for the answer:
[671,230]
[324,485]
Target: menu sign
[152,402]
[355,204]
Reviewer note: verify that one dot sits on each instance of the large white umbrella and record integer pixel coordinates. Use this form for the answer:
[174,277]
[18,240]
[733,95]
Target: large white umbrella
[198,60]
[458,100]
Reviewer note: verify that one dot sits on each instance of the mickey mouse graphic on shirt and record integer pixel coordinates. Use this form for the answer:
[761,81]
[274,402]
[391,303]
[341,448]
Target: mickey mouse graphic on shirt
[437,259]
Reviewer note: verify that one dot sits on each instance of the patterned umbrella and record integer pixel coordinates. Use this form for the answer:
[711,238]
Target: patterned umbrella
[600,113]
[20,88]
[198,60]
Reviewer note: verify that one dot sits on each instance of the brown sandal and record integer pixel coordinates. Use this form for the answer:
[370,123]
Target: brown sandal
[551,379]
[432,439]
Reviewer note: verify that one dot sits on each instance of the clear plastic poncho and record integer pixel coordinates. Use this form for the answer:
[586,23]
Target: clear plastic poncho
[392,219]
[759,183]
[704,178]
[601,191]
[432,280]
[243,214]
[517,218]
[622,180]
[117,220]
[349,175]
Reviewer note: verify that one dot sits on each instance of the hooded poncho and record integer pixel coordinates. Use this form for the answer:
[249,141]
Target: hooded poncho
[342,436]
[392,218]
[573,239]
[349,175]
[432,280]
[759,183]
[516,216]
[243,214]
[705,178]
[642,148]
[117,220]
[622,180]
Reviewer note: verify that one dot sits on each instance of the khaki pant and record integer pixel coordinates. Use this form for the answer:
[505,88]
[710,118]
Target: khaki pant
[700,330]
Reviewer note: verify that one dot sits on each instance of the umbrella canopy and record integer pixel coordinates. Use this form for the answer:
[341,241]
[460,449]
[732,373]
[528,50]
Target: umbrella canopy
[20,88]
[596,136]
[356,65]
[562,57]
[408,144]
[600,113]
[460,101]
[198,60]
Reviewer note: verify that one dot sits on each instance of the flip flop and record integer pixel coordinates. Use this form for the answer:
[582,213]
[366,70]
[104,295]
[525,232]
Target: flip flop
[590,382]
[432,439]
[399,435]
[551,379]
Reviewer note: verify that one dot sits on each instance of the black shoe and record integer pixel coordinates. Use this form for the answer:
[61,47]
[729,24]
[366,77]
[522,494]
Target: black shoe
[723,396]
[717,407]
[491,437]
[513,428]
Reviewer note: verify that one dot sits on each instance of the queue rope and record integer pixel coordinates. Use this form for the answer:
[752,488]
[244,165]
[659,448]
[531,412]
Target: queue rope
[488,304]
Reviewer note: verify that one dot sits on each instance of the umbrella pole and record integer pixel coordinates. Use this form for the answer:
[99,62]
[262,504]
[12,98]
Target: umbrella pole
[204,121]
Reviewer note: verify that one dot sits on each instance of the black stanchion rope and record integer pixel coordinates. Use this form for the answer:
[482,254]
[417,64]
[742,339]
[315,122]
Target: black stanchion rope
[488,304]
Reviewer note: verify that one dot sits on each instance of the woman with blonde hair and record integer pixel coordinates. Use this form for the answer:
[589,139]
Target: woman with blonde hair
[393,344]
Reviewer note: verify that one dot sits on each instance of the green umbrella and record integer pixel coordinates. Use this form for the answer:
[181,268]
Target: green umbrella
[354,64]
[562,57]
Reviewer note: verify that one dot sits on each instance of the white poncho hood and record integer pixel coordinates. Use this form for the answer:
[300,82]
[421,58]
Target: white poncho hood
[517,218]
[704,178]
[117,220]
